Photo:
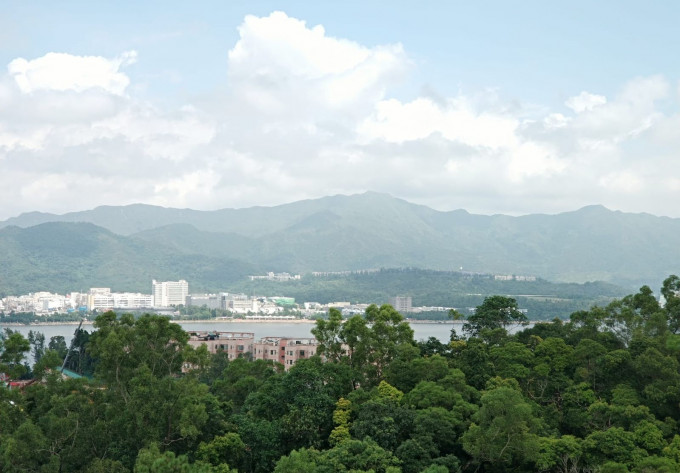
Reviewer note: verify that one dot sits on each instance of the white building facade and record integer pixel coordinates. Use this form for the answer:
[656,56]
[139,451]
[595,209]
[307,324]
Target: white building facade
[169,293]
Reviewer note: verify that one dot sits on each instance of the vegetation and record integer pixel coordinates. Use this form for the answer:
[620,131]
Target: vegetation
[342,233]
[597,393]
[542,299]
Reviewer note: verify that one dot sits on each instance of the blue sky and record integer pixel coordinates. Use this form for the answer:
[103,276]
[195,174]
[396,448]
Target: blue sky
[495,107]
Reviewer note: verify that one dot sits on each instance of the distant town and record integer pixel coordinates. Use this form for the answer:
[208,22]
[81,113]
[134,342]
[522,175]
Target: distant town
[170,296]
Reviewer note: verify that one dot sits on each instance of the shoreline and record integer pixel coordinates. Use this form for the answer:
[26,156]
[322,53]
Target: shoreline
[224,321]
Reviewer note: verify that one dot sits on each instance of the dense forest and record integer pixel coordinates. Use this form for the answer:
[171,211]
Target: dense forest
[597,393]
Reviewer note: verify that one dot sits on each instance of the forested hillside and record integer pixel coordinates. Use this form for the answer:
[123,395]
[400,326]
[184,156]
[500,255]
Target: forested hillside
[65,257]
[599,393]
[543,299]
[372,230]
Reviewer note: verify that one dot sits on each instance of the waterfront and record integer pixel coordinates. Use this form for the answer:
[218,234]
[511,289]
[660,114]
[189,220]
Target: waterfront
[422,331]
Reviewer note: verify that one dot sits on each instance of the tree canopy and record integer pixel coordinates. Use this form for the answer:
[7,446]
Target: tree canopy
[599,393]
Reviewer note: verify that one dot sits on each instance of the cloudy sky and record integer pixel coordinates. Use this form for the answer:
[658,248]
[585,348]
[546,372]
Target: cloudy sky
[508,107]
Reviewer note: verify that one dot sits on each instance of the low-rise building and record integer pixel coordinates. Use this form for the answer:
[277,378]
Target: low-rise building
[286,351]
[235,344]
[102,299]
[211,301]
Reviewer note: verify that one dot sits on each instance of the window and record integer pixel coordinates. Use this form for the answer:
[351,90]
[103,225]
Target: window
[302,353]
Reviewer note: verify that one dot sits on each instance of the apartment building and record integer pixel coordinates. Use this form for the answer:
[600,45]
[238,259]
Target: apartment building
[286,351]
[401,303]
[235,344]
[169,293]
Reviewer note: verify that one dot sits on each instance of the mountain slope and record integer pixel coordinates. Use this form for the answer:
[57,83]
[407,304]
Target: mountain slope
[64,257]
[376,230]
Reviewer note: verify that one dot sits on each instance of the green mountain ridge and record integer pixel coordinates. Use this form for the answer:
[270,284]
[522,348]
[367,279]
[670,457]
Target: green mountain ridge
[373,230]
[65,257]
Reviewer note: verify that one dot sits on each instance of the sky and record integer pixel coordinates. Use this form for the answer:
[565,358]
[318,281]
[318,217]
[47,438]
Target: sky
[510,107]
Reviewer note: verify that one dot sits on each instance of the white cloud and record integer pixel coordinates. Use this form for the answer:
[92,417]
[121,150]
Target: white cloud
[307,114]
[60,71]
[397,122]
[585,101]
[625,182]
[280,65]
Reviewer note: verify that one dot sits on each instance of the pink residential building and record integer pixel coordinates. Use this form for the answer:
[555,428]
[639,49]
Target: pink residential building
[286,351]
[235,344]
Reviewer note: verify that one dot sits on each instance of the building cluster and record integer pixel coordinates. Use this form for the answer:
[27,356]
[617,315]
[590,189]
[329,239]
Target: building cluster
[513,277]
[172,294]
[279,277]
[241,303]
[163,295]
[286,351]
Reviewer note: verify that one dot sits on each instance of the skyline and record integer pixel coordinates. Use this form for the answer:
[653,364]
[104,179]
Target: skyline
[494,108]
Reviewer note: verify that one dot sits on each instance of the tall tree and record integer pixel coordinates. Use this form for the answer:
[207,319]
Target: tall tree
[495,312]
[13,349]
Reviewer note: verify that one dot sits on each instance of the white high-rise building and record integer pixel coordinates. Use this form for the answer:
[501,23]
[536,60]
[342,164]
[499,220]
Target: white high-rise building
[169,293]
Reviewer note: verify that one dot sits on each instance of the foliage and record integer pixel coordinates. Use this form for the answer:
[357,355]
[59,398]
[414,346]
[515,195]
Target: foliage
[599,393]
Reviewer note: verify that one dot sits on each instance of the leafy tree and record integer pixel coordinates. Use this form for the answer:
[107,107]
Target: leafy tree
[122,345]
[654,464]
[329,335]
[614,444]
[151,460]
[561,455]
[37,341]
[223,449]
[13,349]
[79,359]
[388,330]
[671,293]
[504,432]
[26,450]
[495,312]
[341,418]
[58,344]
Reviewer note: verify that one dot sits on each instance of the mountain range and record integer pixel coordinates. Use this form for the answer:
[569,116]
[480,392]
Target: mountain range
[126,246]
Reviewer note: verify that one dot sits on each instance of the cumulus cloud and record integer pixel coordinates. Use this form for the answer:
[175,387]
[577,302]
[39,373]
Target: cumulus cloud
[585,101]
[307,114]
[60,71]
[280,65]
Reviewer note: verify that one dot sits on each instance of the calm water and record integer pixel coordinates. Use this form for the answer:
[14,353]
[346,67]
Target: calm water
[423,331]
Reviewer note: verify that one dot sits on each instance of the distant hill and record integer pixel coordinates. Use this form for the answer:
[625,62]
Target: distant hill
[543,299]
[374,230]
[65,257]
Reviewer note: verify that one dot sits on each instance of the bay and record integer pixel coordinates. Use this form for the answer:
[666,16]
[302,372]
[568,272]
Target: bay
[422,330]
